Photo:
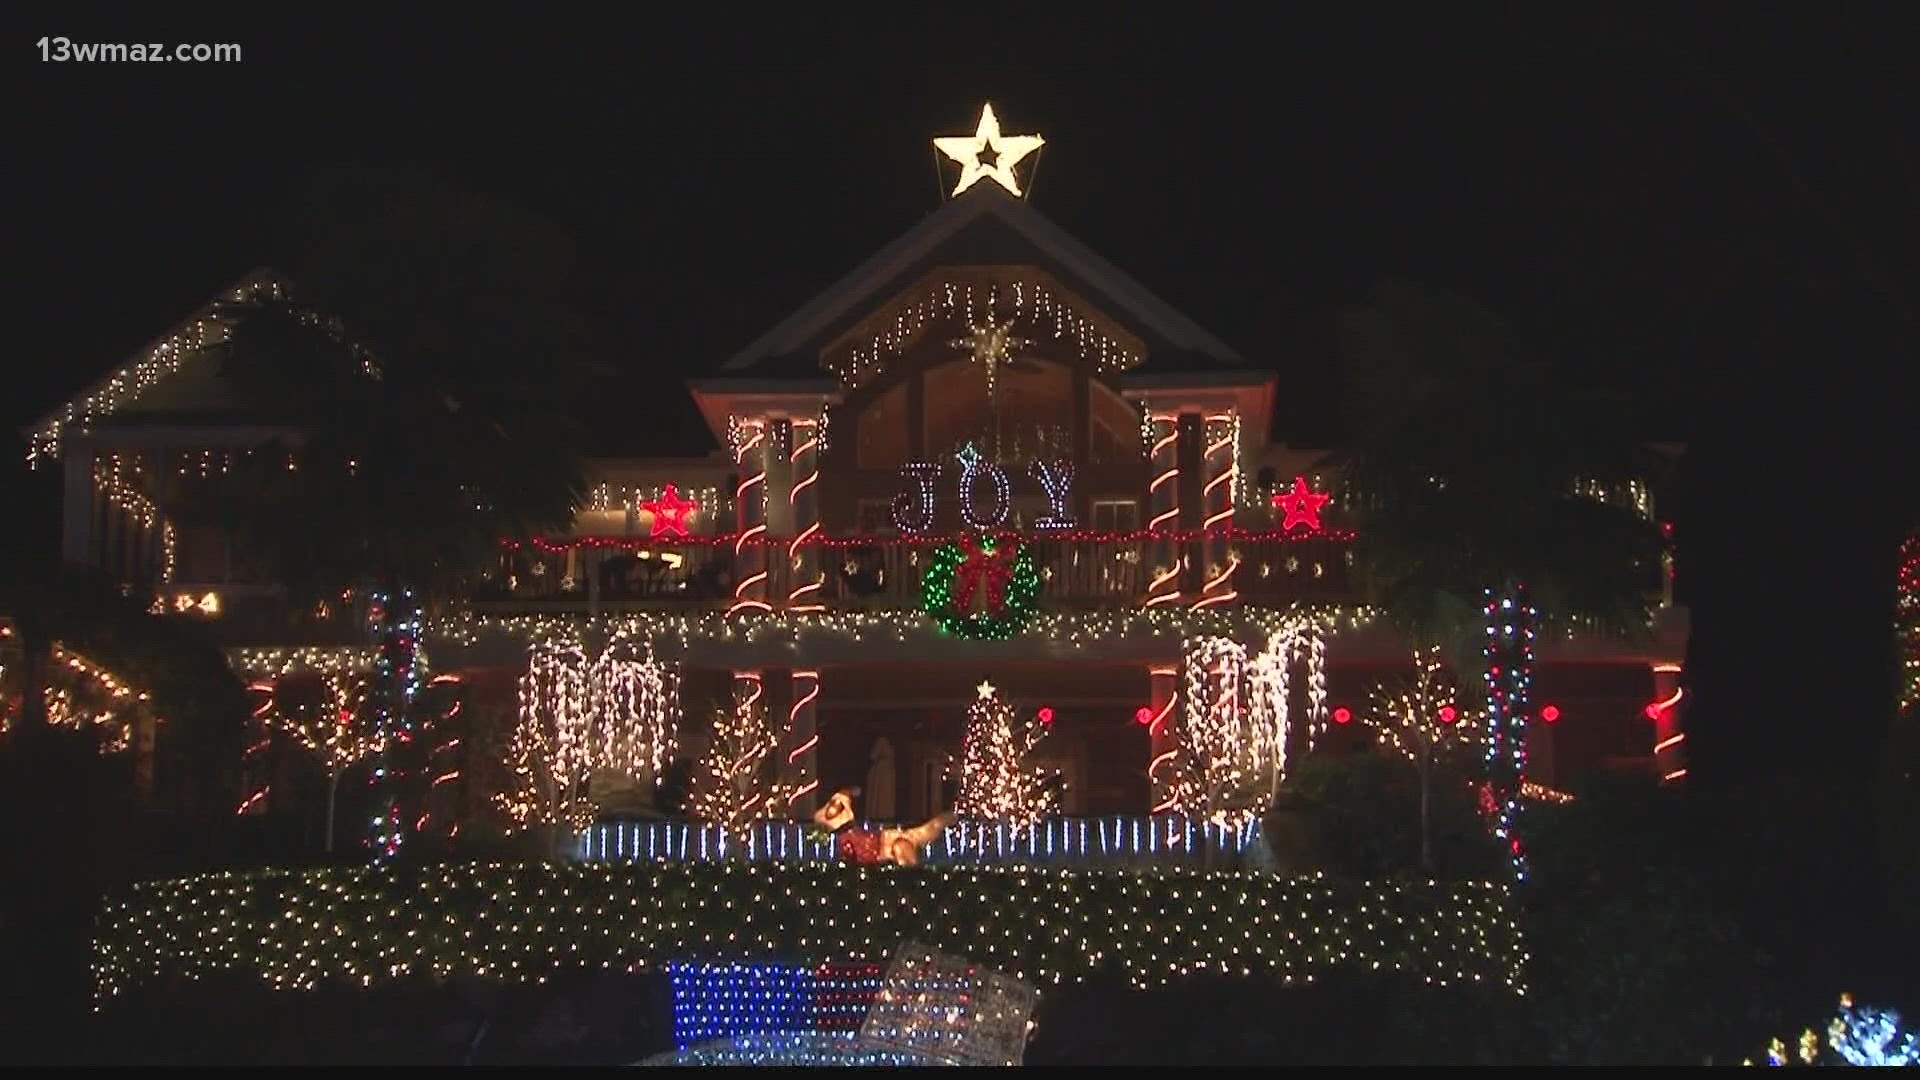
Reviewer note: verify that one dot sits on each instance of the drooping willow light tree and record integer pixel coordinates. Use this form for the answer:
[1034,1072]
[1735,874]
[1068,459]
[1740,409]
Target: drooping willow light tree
[996,781]
[551,754]
[635,705]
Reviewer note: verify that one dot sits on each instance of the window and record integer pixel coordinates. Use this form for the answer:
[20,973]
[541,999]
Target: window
[1116,515]
[883,430]
[876,516]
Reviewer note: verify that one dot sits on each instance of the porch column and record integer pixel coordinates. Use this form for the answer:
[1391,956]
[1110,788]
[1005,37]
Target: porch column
[1669,739]
[804,581]
[1191,449]
[750,441]
[76,503]
[1163,507]
[799,774]
[1218,458]
[1163,697]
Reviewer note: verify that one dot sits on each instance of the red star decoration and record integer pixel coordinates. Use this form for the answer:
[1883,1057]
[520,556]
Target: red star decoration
[669,512]
[1302,506]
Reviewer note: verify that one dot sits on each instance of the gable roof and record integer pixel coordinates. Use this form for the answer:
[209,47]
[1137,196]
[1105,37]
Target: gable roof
[893,265]
[165,359]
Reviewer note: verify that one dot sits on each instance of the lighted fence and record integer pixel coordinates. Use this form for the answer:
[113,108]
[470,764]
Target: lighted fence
[1120,840]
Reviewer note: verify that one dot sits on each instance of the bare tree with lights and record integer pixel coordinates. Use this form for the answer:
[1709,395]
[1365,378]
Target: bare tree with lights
[731,785]
[335,729]
[1420,718]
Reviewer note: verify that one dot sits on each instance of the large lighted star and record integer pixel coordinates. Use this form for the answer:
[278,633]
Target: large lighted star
[985,690]
[1302,506]
[669,512]
[987,154]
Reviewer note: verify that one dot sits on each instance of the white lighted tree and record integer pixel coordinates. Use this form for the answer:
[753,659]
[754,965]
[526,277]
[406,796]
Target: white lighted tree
[996,781]
[1220,759]
[551,754]
[635,702]
[1419,717]
[731,785]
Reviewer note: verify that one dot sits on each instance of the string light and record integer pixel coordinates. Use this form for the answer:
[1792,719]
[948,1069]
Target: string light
[677,631]
[122,491]
[1301,507]
[1140,841]
[669,511]
[1163,492]
[790,1049]
[272,663]
[560,545]
[607,496]
[528,922]
[979,296]
[1907,621]
[127,384]
[806,690]
[1510,620]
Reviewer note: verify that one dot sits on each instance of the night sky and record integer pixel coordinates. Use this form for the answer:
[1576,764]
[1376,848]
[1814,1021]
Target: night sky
[1718,205]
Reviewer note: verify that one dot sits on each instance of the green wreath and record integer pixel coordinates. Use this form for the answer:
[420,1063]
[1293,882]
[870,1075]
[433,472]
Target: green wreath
[981,587]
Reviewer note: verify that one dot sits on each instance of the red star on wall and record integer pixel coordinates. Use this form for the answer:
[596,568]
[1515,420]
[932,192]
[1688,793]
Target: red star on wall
[1302,506]
[669,512]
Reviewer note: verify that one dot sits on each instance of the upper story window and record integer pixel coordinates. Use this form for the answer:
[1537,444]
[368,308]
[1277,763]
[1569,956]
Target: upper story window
[883,430]
[1030,414]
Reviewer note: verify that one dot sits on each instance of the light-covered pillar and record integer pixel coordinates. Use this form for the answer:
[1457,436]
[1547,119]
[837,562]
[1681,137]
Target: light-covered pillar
[1163,506]
[1219,465]
[749,442]
[1163,690]
[1669,738]
[799,760]
[804,580]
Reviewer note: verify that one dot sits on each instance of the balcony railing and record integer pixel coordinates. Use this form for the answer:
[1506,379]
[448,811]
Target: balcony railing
[1077,570]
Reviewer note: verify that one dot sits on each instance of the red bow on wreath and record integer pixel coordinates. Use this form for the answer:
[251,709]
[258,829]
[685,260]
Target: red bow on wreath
[979,566]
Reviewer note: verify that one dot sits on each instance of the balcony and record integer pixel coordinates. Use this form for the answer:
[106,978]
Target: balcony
[1077,571]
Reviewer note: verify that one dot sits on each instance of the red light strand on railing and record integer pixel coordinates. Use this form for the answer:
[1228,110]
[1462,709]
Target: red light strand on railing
[757,537]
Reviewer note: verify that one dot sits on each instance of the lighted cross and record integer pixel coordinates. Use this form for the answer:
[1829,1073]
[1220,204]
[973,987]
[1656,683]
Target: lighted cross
[988,154]
[1302,506]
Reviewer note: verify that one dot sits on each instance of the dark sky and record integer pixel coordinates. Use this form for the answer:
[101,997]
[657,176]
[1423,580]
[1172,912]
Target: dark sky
[1720,199]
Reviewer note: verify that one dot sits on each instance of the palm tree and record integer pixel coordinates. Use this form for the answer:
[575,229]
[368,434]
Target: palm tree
[1480,479]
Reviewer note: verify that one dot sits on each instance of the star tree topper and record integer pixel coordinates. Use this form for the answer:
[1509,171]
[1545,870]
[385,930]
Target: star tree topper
[1302,506]
[988,154]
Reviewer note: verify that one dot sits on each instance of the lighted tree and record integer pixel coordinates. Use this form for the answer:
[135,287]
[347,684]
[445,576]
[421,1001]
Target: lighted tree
[1857,1035]
[1907,625]
[334,727]
[996,781]
[731,785]
[636,710]
[1419,716]
[1219,766]
[551,753]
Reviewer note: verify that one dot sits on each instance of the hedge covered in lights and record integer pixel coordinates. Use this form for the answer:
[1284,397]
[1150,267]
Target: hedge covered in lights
[526,921]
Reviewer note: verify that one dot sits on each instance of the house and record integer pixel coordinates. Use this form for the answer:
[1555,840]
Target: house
[985,371]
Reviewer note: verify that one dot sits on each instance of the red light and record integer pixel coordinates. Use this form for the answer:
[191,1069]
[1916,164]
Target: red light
[1448,714]
[1143,716]
[1653,712]
[1550,714]
[1046,714]
[1343,715]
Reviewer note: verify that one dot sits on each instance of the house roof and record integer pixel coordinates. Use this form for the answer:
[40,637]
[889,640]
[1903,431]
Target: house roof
[163,377]
[1165,329]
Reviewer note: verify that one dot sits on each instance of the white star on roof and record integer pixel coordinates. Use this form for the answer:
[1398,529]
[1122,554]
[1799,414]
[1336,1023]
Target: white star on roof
[1002,153]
